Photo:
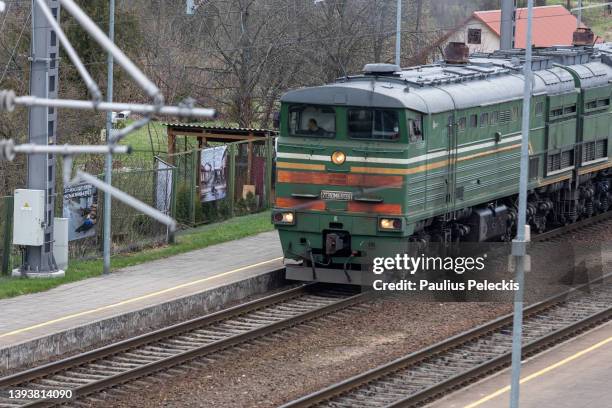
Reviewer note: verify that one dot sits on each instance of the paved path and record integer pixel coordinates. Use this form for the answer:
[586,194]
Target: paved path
[71,305]
[574,374]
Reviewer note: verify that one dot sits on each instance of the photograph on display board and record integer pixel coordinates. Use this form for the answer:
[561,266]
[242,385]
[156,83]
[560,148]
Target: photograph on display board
[81,208]
[213,185]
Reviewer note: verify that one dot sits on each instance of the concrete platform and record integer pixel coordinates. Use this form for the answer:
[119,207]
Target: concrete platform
[574,374]
[85,313]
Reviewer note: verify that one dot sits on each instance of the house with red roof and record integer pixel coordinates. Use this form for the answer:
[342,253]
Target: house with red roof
[552,25]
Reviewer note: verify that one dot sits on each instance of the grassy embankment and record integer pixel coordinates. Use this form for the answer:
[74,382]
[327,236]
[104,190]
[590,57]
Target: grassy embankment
[187,240]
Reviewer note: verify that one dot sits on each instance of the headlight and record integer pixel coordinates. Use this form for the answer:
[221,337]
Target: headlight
[390,224]
[285,217]
[338,157]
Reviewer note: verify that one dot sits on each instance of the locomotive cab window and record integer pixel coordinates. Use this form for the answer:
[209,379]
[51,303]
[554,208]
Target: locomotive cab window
[375,124]
[312,121]
[415,130]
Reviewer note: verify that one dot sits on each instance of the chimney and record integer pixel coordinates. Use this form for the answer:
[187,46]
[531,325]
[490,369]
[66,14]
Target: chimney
[456,53]
[583,36]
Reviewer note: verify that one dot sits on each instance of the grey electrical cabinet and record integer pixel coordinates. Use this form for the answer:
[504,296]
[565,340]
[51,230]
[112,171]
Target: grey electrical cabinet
[29,217]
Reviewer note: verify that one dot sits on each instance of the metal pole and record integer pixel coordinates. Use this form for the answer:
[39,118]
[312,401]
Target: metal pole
[42,123]
[579,21]
[507,25]
[519,250]
[398,34]
[106,106]
[127,199]
[116,138]
[70,150]
[609,3]
[108,168]
[72,54]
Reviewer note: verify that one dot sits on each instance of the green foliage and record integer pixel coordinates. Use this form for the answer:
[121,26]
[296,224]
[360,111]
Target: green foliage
[183,206]
[203,212]
[247,205]
[241,207]
[128,37]
[143,225]
[224,209]
[209,212]
[216,211]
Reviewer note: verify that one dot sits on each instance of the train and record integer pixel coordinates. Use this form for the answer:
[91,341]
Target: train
[374,162]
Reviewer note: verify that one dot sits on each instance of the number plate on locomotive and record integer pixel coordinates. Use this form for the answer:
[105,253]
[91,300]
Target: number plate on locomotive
[336,195]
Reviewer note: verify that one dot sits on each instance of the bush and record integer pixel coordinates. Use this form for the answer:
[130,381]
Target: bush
[247,205]
[143,225]
[183,195]
[183,205]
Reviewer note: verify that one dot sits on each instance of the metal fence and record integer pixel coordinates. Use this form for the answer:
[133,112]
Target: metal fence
[180,185]
[151,182]
[243,182]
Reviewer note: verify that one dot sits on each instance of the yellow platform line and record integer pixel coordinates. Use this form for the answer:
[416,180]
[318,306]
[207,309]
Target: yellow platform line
[541,372]
[136,299]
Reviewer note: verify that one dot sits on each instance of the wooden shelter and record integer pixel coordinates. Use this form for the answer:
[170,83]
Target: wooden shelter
[205,134]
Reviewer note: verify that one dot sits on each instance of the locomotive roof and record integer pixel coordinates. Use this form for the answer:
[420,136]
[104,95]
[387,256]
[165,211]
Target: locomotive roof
[485,80]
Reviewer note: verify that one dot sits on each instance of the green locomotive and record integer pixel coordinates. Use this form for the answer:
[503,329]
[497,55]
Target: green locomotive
[373,162]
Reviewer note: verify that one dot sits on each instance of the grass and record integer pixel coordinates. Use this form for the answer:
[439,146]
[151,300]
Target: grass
[186,241]
[144,143]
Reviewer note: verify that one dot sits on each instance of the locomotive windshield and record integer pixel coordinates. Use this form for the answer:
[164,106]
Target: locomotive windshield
[312,121]
[378,124]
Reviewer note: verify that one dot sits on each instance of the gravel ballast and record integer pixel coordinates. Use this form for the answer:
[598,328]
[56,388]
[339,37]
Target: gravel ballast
[335,348]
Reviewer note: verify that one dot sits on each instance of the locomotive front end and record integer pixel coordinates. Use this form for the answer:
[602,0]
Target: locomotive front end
[341,197]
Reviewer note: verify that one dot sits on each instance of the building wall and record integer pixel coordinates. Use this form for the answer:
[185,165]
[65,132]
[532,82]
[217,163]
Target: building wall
[489,40]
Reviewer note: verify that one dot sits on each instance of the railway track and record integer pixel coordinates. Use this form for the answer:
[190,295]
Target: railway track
[596,223]
[102,369]
[429,374]
[107,368]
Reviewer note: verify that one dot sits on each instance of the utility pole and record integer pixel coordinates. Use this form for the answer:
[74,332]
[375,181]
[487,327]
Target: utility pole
[190,8]
[419,11]
[508,20]
[519,245]
[398,34]
[108,168]
[42,126]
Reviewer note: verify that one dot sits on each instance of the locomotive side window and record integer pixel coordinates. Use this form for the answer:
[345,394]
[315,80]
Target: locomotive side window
[484,119]
[473,120]
[312,121]
[539,108]
[461,124]
[378,124]
[415,130]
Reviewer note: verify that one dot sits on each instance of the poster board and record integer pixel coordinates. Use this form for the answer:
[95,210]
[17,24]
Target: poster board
[80,206]
[213,184]
[163,186]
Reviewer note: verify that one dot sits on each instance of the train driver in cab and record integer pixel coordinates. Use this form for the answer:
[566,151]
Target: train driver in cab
[313,127]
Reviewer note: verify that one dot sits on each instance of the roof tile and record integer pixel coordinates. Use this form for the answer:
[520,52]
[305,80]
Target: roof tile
[552,25]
